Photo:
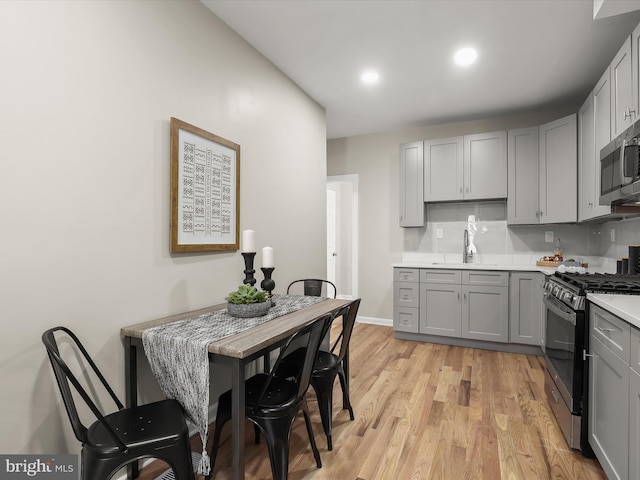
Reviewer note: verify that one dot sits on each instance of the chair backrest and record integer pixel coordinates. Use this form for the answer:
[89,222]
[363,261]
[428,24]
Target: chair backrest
[312,335]
[314,286]
[350,312]
[64,376]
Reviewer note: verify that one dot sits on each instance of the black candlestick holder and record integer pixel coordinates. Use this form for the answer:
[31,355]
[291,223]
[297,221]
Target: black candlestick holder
[268,284]
[248,268]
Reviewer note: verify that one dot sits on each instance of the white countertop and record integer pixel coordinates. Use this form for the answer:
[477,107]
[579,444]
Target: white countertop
[626,307]
[510,263]
[477,266]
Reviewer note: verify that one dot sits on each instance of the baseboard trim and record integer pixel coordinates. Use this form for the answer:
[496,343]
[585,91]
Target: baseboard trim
[385,322]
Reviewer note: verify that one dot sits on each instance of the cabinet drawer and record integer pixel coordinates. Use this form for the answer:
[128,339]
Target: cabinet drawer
[406,274]
[634,355]
[406,295]
[612,331]
[483,277]
[453,277]
[405,319]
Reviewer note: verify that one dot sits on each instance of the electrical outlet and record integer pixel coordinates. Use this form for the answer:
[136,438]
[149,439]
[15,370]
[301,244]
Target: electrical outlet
[548,237]
[439,233]
[612,234]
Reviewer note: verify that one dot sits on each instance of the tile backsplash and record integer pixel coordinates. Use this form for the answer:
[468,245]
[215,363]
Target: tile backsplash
[446,223]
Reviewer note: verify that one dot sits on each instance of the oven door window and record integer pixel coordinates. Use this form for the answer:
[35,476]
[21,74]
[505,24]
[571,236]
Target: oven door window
[561,335]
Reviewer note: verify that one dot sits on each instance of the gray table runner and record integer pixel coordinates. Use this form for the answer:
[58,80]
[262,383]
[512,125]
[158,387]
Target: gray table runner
[178,354]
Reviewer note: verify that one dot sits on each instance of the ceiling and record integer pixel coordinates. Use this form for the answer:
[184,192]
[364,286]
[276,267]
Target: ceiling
[532,55]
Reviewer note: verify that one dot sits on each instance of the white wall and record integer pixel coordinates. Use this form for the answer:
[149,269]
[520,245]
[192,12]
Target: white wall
[86,91]
[381,240]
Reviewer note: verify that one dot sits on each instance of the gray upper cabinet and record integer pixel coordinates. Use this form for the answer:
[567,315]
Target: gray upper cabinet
[559,171]
[594,132]
[473,167]
[523,204]
[543,170]
[485,166]
[443,169]
[411,196]
[602,134]
[623,112]
[635,67]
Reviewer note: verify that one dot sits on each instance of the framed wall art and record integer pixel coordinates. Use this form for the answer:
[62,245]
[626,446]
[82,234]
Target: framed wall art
[205,190]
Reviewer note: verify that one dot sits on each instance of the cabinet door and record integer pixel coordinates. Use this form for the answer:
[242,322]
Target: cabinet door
[602,132]
[485,313]
[440,309]
[609,410]
[443,169]
[586,159]
[634,424]
[559,171]
[485,166]
[635,66]
[622,90]
[411,189]
[526,310]
[523,203]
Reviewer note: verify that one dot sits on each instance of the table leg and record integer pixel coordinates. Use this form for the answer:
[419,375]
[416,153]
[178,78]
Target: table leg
[237,419]
[131,389]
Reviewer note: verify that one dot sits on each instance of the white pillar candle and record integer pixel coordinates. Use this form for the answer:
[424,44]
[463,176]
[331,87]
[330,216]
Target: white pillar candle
[248,241]
[267,257]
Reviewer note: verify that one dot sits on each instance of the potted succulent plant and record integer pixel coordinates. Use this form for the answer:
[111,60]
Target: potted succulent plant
[247,301]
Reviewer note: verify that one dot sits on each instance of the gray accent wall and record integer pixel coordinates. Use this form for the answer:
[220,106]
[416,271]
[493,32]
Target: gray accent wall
[87,91]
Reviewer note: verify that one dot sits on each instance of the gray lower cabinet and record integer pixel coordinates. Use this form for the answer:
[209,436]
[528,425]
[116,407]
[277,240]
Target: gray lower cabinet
[634,424]
[440,309]
[609,387]
[406,298]
[476,307]
[526,310]
[465,304]
[634,405]
[485,313]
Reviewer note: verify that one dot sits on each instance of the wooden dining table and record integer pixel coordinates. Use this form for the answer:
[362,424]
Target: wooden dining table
[234,352]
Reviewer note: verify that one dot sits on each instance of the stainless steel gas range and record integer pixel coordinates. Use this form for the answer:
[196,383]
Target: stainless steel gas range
[567,345]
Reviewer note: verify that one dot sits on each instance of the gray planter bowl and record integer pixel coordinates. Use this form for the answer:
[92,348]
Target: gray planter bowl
[248,310]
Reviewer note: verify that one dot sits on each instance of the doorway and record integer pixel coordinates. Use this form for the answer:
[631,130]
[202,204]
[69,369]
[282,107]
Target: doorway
[342,234]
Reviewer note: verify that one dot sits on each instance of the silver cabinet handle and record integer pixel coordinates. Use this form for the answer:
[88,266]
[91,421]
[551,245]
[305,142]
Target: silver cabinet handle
[605,330]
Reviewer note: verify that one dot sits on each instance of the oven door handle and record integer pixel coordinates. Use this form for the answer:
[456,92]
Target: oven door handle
[559,309]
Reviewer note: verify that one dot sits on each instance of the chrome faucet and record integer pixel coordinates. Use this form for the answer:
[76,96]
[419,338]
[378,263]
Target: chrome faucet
[467,255]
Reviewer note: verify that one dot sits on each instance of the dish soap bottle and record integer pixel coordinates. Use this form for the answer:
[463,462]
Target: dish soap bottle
[557,253]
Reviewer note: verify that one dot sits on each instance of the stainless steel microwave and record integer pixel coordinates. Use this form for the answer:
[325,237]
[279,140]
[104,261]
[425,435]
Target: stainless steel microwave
[620,168]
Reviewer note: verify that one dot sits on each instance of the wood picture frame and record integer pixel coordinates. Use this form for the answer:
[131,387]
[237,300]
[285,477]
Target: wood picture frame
[205,190]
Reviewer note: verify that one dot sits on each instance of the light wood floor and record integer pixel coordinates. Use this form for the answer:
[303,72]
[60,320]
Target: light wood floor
[426,411]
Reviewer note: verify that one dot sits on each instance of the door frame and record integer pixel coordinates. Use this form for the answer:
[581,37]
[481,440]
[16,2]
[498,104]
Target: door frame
[353,180]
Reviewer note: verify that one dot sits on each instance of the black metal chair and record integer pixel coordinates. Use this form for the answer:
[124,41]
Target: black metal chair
[272,403]
[327,366]
[157,430]
[313,287]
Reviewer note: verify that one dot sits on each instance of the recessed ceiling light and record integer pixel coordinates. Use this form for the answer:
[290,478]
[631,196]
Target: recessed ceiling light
[465,56]
[369,77]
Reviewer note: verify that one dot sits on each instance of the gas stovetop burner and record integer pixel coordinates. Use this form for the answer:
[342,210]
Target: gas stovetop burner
[602,282]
